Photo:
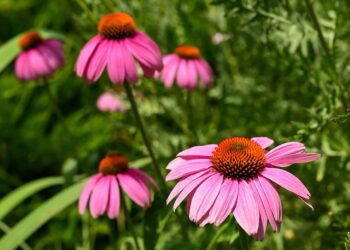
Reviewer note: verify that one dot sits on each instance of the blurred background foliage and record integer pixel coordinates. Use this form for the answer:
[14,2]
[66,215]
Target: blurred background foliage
[281,70]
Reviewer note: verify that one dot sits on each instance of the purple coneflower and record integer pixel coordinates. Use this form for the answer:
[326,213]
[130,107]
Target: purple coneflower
[186,67]
[234,177]
[102,190]
[115,47]
[109,102]
[39,57]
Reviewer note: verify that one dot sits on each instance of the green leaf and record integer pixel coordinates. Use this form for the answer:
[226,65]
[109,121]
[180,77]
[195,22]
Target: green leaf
[11,49]
[32,222]
[14,198]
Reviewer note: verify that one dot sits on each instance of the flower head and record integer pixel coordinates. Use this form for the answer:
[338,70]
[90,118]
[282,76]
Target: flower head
[102,190]
[39,57]
[117,46]
[187,67]
[109,102]
[234,177]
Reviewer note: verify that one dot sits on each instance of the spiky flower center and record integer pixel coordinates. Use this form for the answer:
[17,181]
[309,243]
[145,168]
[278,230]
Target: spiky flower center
[113,164]
[116,25]
[188,52]
[238,158]
[30,40]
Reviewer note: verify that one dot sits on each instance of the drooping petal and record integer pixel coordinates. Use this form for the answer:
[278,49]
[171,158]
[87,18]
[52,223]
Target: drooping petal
[190,187]
[20,65]
[52,52]
[182,74]
[198,151]
[38,64]
[287,181]
[285,160]
[191,74]
[204,71]
[264,142]
[246,210]
[130,65]
[224,202]
[97,62]
[285,149]
[169,71]
[135,190]
[182,184]
[190,167]
[115,65]
[145,177]
[114,198]
[99,197]
[204,196]
[85,55]
[260,235]
[85,194]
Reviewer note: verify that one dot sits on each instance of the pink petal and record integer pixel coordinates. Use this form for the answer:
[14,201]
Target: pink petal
[274,199]
[190,187]
[99,197]
[169,71]
[182,184]
[285,160]
[20,64]
[246,210]
[264,142]
[260,235]
[115,65]
[85,55]
[287,181]
[53,53]
[148,72]
[204,71]
[201,151]
[177,162]
[135,190]
[191,167]
[97,62]
[264,205]
[114,198]
[182,74]
[285,149]
[204,196]
[191,74]
[130,65]
[85,194]
[225,202]
[145,177]
[38,64]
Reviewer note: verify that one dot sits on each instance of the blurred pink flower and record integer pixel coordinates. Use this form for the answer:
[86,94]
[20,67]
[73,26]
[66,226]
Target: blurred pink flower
[102,190]
[187,66]
[115,47]
[109,102]
[39,57]
[234,177]
[220,37]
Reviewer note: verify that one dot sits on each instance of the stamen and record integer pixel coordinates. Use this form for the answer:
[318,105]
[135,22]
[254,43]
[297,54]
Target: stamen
[116,25]
[238,158]
[30,40]
[188,52]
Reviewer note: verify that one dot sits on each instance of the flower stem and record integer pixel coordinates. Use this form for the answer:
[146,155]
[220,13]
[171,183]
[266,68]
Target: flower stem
[216,236]
[128,220]
[140,125]
[190,123]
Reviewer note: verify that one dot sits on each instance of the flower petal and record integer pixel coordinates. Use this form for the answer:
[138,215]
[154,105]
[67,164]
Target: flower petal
[169,71]
[130,65]
[114,198]
[287,160]
[99,197]
[285,149]
[190,167]
[246,210]
[85,194]
[203,151]
[145,177]
[264,142]
[191,74]
[204,71]
[182,74]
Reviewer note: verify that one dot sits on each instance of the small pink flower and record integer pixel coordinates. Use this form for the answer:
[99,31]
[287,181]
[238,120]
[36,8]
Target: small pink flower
[103,192]
[39,57]
[234,177]
[109,102]
[115,47]
[187,67]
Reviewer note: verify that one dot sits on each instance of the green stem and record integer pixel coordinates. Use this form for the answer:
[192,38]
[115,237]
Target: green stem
[140,125]
[217,235]
[190,117]
[55,106]
[85,232]
[128,220]
[243,240]
[327,51]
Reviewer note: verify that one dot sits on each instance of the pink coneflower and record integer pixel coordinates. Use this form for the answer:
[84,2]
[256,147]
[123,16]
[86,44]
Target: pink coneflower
[102,190]
[39,57]
[186,67]
[234,177]
[115,47]
[109,102]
